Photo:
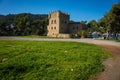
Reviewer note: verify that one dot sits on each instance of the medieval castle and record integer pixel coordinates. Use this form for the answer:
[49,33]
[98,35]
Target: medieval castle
[61,26]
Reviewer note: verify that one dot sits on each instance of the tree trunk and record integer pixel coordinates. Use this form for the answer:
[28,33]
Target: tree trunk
[107,36]
[116,36]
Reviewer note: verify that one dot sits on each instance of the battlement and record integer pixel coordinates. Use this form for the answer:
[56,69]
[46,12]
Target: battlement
[58,11]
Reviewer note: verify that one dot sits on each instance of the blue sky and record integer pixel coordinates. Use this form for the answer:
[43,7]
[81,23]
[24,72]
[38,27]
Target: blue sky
[78,9]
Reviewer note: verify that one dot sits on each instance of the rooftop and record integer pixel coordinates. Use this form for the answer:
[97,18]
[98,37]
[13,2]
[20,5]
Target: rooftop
[59,12]
[74,23]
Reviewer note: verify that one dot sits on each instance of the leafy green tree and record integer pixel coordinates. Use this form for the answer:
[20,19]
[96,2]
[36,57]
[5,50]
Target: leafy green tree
[23,24]
[39,27]
[82,34]
[83,22]
[102,26]
[111,20]
[20,23]
[115,18]
[2,28]
[92,23]
[93,26]
[5,25]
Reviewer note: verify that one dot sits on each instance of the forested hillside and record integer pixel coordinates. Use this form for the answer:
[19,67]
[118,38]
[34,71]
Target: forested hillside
[23,24]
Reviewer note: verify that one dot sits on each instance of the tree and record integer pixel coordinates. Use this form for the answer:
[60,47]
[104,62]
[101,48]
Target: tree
[20,23]
[83,22]
[82,34]
[2,28]
[93,26]
[115,18]
[111,20]
[92,23]
[5,25]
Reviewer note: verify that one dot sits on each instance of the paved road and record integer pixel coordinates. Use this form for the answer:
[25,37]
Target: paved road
[93,41]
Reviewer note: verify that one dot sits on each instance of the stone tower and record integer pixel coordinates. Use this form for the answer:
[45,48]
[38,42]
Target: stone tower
[61,26]
[58,24]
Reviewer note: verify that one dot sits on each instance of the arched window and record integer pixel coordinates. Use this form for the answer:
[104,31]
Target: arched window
[54,27]
[55,21]
[51,27]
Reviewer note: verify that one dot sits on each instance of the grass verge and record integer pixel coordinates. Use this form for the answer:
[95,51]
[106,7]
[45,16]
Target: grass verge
[118,40]
[34,36]
[38,60]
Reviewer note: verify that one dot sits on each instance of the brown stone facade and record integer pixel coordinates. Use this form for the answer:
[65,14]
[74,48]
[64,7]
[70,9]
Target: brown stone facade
[60,25]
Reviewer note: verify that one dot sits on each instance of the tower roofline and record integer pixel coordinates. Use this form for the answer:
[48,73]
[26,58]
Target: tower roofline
[59,12]
[74,22]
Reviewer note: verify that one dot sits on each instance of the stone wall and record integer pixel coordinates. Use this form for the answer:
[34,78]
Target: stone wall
[53,27]
[60,25]
[75,27]
[64,21]
[63,36]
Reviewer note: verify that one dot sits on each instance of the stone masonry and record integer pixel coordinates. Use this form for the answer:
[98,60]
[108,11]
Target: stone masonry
[60,25]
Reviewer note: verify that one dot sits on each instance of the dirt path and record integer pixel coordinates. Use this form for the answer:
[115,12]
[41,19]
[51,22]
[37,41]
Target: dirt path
[112,65]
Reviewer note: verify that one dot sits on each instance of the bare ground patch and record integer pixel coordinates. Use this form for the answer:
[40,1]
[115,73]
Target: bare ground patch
[112,65]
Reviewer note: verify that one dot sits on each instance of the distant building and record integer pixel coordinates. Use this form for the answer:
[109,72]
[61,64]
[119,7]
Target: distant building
[61,26]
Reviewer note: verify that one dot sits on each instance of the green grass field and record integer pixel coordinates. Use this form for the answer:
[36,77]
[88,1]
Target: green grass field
[118,40]
[34,36]
[38,60]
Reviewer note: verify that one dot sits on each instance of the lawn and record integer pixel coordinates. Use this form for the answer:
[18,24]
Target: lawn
[118,40]
[43,60]
[34,36]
